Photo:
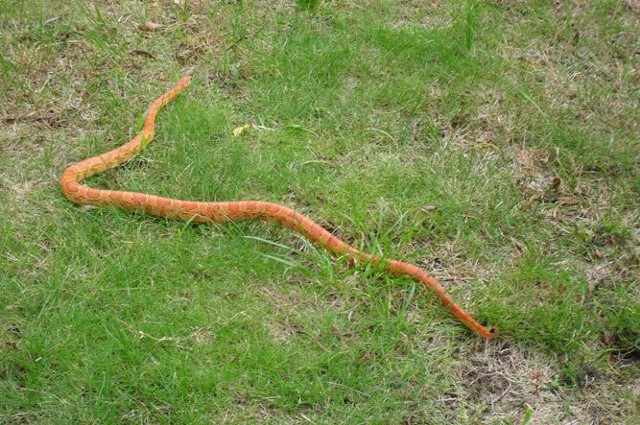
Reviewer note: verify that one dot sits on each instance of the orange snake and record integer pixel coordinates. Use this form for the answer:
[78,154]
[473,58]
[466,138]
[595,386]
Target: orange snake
[203,212]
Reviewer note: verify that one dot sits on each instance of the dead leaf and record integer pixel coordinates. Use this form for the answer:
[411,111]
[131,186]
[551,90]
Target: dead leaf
[537,378]
[555,183]
[138,52]
[133,64]
[151,26]
[344,335]
[10,345]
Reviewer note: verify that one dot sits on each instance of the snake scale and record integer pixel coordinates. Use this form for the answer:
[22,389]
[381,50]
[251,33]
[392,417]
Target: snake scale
[207,212]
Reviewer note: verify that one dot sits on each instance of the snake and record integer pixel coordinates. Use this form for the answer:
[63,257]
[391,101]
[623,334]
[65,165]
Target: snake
[234,211]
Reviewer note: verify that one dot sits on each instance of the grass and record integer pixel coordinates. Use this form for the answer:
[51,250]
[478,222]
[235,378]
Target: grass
[492,143]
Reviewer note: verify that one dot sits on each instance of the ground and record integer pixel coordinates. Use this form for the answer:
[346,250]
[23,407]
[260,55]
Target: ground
[494,144]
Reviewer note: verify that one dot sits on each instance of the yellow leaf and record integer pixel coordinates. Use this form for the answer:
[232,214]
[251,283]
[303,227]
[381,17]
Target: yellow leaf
[239,130]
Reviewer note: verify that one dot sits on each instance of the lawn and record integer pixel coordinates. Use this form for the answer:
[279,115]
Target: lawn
[494,144]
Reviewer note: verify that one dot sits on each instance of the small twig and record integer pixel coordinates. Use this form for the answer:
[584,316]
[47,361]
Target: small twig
[177,341]
[246,35]
[314,339]
[503,394]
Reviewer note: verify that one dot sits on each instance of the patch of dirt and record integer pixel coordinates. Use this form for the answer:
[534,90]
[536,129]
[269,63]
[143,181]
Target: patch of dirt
[532,172]
[505,382]
[429,14]
[281,330]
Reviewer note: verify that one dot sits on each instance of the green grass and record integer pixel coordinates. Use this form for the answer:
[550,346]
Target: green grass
[491,143]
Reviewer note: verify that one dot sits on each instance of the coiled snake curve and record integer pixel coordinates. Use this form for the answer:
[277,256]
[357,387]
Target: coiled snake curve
[203,212]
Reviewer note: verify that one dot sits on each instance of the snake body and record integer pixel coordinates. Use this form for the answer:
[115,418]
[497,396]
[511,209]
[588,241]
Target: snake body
[208,212]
